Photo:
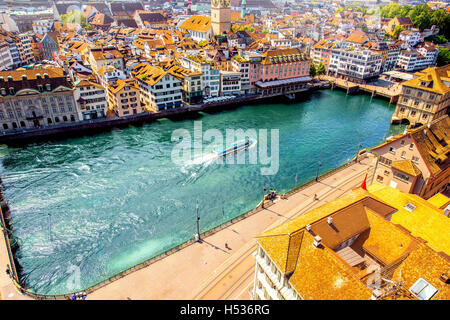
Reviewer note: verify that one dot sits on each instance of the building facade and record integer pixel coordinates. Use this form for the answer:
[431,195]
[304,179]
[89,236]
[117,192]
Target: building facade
[424,98]
[36,98]
[220,16]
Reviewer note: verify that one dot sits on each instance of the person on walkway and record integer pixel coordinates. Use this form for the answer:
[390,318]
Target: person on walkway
[226,245]
[315,197]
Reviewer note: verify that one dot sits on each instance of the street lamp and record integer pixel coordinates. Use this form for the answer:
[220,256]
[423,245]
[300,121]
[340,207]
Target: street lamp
[198,222]
[359,148]
[318,166]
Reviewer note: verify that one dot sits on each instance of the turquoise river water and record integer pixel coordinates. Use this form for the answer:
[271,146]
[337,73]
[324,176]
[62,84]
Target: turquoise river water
[87,208]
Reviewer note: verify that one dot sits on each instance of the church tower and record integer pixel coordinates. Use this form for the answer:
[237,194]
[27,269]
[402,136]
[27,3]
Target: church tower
[243,9]
[220,16]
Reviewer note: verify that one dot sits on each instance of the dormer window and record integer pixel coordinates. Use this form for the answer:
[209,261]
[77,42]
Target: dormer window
[410,207]
[12,90]
[48,87]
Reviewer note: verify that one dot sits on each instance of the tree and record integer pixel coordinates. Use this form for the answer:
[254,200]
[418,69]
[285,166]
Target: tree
[321,70]
[312,70]
[397,31]
[443,57]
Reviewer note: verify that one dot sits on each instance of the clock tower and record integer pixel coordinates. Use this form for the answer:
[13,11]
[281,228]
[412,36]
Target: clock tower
[220,16]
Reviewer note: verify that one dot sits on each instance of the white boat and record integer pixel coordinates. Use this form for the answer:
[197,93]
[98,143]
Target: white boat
[235,147]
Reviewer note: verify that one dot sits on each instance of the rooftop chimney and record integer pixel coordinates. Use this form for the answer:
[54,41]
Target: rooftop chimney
[308,227]
[317,241]
[330,220]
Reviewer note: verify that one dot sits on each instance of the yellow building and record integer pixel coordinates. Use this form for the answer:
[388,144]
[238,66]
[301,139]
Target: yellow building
[361,246]
[416,161]
[424,98]
[124,98]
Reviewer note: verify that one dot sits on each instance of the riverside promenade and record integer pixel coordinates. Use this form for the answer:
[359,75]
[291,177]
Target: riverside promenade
[384,89]
[209,270]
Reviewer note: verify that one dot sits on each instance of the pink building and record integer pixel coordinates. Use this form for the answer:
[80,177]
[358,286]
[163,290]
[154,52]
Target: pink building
[290,65]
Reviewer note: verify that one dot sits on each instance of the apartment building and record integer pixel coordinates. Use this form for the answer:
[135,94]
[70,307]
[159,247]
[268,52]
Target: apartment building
[124,98]
[36,98]
[392,58]
[99,57]
[339,251]
[417,59]
[411,37]
[25,49]
[42,26]
[191,83]
[321,51]
[91,99]
[50,45]
[425,97]
[358,65]
[210,73]
[159,90]
[6,61]
[230,83]
[416,161]
[241,65]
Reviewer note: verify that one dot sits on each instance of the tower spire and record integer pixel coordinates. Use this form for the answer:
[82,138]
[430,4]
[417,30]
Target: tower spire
[243,8]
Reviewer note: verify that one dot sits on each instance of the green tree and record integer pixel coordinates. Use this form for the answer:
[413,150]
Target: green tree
[321,70]
[397,31]
[443,58]
[312,70]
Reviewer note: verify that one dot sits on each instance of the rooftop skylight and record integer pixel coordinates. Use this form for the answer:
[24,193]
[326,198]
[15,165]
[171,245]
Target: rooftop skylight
[410,207]
[423,290]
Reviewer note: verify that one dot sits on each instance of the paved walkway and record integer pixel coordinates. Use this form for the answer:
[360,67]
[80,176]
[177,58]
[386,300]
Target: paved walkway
[188,273]
[208,270]
[233,280]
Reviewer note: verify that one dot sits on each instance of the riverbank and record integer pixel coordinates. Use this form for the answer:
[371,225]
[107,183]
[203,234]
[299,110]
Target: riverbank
[296,123]
[236,232]
[89,127]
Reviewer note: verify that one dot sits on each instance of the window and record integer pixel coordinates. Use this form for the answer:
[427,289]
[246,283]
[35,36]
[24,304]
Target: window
[423,290]
[386,172]
[415,159]
[392,150]
[403,155]
[380,179]
[62,109]
[411,146]
[410,207]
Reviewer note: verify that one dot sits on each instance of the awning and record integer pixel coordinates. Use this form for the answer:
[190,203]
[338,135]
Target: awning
[277,83]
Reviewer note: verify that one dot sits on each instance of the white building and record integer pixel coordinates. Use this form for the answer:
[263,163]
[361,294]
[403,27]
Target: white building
[411,37]
[159,90]
[91,99]
[6,62]
[270,283]
[423,57]
[198,27]
[354,64]
[108,74]
[241,65]
[210,73]
[230,83]
[42,26]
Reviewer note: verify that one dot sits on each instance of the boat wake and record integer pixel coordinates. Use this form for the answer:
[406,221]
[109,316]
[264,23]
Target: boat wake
[219,153]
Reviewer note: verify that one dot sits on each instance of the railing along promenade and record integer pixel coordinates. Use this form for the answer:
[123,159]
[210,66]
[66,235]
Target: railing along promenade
[260,207]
